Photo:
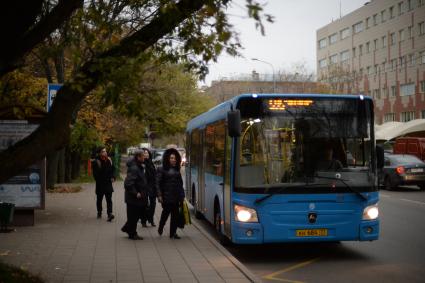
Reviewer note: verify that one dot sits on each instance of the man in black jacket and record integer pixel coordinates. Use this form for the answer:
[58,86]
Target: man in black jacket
[104,174]
[136,193]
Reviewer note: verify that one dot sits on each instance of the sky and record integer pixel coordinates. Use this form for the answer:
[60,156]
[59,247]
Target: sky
[291,39]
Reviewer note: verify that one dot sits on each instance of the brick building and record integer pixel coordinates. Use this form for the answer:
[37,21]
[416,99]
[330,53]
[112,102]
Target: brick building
[378,50]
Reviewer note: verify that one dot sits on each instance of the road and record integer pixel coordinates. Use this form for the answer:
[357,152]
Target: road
[398,256]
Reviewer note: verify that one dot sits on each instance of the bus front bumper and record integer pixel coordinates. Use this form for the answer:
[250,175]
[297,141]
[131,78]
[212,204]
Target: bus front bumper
[253,233]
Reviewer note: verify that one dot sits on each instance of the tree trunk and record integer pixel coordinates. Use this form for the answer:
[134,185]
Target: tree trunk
[68,165]
[76,161]
[54,131]
[61,166]
[52,172]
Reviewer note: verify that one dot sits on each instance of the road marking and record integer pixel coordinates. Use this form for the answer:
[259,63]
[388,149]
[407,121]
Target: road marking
[384,195]
[273,275]
[413,201]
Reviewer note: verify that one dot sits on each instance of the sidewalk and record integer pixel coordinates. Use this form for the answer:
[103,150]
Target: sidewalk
[68,244]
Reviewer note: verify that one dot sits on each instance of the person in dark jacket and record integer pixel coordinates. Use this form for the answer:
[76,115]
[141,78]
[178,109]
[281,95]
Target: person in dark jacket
[136,194]
[104,175]
[169,185]
[148,214]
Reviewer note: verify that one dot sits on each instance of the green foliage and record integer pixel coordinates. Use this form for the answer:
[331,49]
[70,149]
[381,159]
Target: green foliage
[84,138]
[12,274]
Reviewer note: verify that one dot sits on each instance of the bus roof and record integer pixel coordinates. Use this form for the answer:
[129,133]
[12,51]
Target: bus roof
[219,112]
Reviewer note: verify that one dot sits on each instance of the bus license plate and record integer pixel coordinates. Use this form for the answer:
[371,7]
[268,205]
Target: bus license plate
[312,233]
[416,170]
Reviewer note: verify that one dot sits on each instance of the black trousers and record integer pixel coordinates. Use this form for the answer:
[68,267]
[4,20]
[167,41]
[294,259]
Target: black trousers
[133,215]
[108,197]
[149,212]
[168,208]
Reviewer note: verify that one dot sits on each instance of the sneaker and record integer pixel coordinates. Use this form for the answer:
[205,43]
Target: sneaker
[110,217]
[160,230]
[124,229]
[153,224]
[175,236]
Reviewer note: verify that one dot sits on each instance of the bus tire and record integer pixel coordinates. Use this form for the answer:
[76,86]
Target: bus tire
[217,226]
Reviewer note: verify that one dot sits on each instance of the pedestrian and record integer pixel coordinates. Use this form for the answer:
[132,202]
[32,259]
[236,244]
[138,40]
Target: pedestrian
[136,194]
[169,185]
[148,214]
[104,175]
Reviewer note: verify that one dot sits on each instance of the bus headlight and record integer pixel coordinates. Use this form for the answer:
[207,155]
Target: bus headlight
[371,212]
[245,214]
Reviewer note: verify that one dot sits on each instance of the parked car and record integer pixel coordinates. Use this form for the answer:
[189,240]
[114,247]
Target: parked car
[402,169]
[410,145]
[157,156]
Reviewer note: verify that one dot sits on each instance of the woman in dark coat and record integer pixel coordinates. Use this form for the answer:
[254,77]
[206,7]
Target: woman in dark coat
[150,177]
[136,194]
[104,175]
[169,184]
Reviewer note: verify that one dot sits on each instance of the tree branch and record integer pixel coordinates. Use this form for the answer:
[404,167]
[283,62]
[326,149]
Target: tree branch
[10,57]
[53,132]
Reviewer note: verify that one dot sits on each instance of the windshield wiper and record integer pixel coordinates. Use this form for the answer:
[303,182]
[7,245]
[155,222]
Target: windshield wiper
[281,189]
[343,181]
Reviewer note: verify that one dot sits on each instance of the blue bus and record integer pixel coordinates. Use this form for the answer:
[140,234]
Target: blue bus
[270,168]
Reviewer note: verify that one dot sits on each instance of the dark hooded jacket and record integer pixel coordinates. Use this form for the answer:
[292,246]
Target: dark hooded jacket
[134,183]
[150,173]
[169,181]
[103,173]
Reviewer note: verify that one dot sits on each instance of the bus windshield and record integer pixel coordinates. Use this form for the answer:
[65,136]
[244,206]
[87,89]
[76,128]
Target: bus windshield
[285,142]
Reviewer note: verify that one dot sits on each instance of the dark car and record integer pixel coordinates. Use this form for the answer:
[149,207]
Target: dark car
[402,169]
[157,156]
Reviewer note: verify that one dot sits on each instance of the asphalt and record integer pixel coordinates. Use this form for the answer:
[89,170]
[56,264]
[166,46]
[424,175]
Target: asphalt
[69,244]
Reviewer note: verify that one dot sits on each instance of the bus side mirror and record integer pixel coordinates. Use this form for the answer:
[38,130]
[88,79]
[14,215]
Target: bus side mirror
[379,157]
[234,123]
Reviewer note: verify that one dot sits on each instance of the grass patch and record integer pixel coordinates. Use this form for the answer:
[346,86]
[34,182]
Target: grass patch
[11,274]
[65,188]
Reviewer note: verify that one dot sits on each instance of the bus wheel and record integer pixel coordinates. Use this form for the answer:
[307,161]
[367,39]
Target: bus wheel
[217,225]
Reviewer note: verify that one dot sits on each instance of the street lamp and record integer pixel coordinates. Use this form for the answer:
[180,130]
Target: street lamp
[274,81]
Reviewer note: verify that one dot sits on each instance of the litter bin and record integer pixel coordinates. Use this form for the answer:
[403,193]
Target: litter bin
[6,215]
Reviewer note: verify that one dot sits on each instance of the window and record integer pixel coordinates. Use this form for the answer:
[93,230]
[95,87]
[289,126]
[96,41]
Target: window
[322,63]
[393,91]
[322,43]
[423,86]
[412,60]
[383,16]
[333,59]
[384,92]
[333,38]
[410,5]
[423,114]
[422,57]
[367,47]
[361,73]
[401,34]
[344,55]
[389,117]
[391,12]
[384,41]
[393,64]
[421,3]
[354,52]
[345,33]
[383,66]
[360,49]
[375,19]
[358,27]
[410,32]
[375,44]
[421,28]
[392,38]
[400,8]
[377,94]
[375,69]
[368,22]
[407,89]
[402,61]
[407,116]
[369,70]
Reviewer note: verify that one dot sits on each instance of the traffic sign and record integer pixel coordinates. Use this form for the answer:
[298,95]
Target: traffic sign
[52,90]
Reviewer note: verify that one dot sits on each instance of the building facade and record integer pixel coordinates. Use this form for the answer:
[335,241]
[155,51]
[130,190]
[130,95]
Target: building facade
[378,50]
[227,88]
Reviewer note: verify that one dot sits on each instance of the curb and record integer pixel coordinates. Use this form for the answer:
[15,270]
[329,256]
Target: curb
[242,268]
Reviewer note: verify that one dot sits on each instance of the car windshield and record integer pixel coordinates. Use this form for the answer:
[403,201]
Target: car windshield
[404,159]
[304,144]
